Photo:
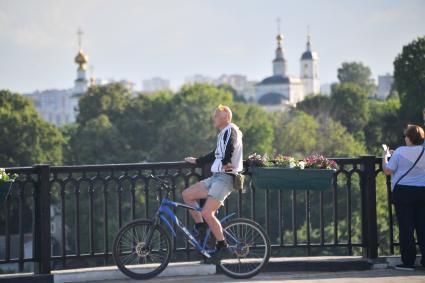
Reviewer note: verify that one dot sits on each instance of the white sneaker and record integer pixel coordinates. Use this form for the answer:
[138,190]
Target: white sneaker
[405,267]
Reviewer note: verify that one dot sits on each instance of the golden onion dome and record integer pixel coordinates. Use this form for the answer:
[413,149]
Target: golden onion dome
[81,58]
[279,37]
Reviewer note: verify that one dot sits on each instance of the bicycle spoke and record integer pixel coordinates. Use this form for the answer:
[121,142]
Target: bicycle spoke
[129,256]
[138,258]
[249,249]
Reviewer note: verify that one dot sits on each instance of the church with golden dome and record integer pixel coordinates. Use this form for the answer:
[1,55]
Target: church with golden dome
[59,106]
[280,90]
[81,83]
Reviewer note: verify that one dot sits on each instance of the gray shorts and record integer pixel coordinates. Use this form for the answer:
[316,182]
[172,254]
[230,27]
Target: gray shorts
[219,186]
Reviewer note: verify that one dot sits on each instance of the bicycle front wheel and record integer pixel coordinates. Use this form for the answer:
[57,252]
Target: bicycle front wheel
[137,257]
[249,248]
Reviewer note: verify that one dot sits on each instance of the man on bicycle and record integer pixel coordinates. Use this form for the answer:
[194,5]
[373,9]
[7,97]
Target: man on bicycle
[226,163]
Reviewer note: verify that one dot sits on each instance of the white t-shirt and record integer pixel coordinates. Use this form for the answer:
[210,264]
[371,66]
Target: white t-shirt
[401,161]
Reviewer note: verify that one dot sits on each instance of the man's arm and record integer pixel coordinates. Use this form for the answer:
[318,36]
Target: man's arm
[207,158]
[230,147]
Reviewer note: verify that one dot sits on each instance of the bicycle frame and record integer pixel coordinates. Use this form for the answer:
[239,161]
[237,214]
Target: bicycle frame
[164,211]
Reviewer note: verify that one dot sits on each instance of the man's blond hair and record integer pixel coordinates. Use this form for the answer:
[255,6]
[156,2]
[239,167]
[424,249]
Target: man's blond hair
[227,110]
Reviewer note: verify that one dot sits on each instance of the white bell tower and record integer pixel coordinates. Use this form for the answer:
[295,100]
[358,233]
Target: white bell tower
[279,62]
[81,59]
[309,69]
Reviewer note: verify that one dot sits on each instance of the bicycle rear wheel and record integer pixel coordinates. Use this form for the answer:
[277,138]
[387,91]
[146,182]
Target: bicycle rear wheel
[136,258]
[249,246]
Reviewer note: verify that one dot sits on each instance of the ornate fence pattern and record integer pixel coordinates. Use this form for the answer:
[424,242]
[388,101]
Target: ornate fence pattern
[67,216]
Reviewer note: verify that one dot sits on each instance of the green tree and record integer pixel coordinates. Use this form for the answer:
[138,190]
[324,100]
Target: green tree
[334,140]
[187,129]
[383,125]
[25,139]
[142,122]
[299,134]
[95,138]
[257,128]
[99,141]
[318,106]
[295,133]
[357,73]
[109,100]
[350,107]
[160,126]
[69,132]
[393,95]
[409,79]
[236,96]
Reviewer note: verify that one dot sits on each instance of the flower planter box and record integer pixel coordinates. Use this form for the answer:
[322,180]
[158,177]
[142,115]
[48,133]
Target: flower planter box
[4,189]
[288,179]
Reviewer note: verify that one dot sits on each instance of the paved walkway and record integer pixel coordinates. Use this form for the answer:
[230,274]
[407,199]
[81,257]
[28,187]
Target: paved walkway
[368,276]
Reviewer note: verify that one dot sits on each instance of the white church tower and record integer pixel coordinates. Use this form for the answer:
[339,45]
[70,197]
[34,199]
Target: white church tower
[81,59]
[309,73]
[279,62]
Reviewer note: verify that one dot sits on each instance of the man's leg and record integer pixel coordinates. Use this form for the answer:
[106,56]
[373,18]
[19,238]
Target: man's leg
[191,196]
[208,212]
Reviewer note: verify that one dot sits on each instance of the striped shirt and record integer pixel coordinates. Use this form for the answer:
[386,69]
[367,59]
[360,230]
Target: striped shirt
[228,150]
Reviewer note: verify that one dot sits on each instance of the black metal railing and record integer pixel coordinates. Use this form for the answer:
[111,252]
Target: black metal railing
[61,217]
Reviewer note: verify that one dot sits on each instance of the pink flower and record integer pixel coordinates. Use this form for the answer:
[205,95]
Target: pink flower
[319,162]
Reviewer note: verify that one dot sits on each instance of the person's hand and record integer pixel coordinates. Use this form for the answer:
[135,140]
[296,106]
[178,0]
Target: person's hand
[190,159]
[388,152]
[228,167]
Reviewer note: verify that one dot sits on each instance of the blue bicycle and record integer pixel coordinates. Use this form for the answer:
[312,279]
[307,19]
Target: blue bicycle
[142,248]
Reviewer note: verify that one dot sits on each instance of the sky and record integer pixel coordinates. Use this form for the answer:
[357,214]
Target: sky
[140,39]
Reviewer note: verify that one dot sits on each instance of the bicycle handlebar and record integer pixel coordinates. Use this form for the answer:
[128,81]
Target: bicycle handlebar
[163,185]
[160,180]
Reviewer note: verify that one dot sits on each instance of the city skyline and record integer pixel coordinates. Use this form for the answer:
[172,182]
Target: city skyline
[178,40]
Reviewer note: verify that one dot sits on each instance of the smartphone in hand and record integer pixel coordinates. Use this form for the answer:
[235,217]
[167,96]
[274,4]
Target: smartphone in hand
[387,150]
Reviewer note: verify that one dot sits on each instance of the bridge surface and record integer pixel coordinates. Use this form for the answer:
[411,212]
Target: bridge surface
[366,276]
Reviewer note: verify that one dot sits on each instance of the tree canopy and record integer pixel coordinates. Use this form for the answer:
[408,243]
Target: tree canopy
[409,79]
[357,73]
[110,100]
[350,106]
[159,126]
[115,126]
[25,138]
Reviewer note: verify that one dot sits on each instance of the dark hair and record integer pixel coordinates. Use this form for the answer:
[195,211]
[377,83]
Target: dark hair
[415,134]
